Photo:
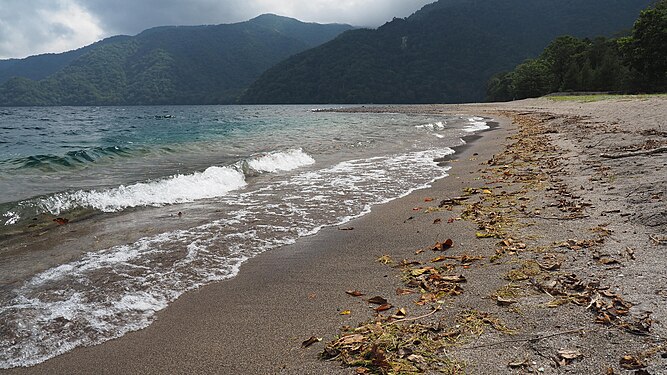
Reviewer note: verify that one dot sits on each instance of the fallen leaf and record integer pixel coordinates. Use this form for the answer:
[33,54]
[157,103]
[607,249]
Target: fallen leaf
[453,279]
[487,191]
[310,341]
[400,314]
[349,340]
[348,228]
[384,307]
[450,220]
[354,293]
[402,292]
[385,259]
[345,312]
[428,200]
[61,221]
[629,362]
[437,221]
[416,209]
[439,258]
[569,354]
[442,246]
[420,271]
[485,235]
[377,300]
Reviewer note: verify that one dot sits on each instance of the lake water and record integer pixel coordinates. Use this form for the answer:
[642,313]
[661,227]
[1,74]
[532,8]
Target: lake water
[109,213]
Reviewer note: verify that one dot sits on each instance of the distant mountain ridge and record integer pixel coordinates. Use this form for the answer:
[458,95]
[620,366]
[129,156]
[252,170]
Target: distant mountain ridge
[445,52]
[164,65]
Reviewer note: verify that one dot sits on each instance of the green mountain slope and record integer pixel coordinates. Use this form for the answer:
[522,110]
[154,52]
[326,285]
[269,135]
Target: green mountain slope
[168,65]
[446,52]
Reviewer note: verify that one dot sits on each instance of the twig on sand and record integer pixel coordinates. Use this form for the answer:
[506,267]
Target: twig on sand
[635,153]
[435,309]
[530,339]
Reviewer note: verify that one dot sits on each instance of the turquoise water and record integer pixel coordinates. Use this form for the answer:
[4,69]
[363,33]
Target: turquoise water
[162,200]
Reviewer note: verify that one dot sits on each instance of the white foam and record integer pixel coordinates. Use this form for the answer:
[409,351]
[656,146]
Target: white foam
[281,161]
[213,182]
[476,124]
[440,125]
[11,217]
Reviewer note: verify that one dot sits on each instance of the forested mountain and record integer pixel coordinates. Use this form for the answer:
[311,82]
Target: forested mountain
[163,65]
[446,52]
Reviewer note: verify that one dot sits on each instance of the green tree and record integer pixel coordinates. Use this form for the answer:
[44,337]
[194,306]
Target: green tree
[560,55]
[646,49]
[531,79]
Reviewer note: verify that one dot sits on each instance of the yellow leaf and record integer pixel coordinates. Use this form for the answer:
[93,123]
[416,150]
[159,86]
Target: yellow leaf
[345,312]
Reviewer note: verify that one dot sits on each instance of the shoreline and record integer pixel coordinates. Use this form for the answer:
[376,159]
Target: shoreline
[256,322]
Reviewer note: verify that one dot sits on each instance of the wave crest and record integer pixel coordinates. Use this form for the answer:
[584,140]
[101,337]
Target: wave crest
[281,161]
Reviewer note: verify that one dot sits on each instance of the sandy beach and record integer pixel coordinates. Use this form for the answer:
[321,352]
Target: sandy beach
[558,220]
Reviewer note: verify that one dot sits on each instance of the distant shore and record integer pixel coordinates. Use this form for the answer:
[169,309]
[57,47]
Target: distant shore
[561,249]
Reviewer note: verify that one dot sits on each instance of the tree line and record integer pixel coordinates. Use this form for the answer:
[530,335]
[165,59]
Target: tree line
[633,63]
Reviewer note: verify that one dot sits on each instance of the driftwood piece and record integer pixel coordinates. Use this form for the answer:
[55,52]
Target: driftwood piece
[635,153]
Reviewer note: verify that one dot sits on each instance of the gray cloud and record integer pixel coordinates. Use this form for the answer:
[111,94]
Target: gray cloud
[39,26]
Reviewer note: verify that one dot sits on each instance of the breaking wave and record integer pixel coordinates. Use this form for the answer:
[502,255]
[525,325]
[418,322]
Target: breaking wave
[213,182]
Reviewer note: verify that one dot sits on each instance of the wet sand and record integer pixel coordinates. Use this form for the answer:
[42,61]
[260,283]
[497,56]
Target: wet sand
[256,322]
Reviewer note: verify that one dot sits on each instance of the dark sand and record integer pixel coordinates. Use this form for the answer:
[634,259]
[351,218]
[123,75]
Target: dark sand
[255,323]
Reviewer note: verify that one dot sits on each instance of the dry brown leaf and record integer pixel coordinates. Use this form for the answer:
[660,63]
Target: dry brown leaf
[377,300]
[402,292]
[453,278]
[61,221]
[442,246]
[354,293]
[569,354]
[383,307]
[349,340]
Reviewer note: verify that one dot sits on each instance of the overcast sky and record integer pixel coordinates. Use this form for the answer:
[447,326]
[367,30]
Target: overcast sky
[29,27]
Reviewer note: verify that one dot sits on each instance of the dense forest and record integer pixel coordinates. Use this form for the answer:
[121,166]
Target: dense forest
[634,63]
[444,53]
[164,65]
